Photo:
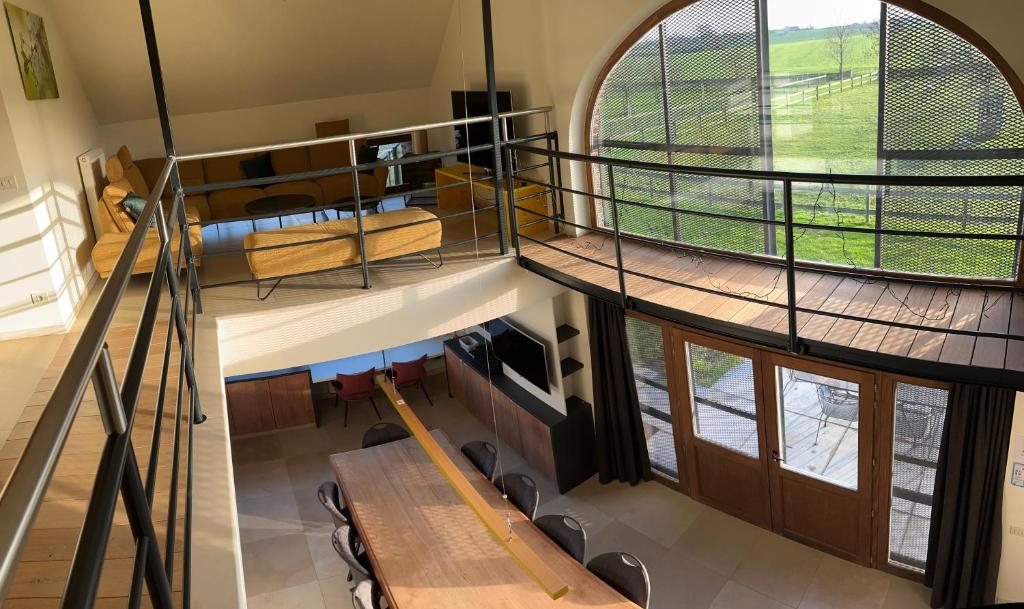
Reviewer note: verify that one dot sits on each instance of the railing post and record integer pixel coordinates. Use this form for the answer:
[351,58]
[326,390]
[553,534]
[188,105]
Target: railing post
[513,215]
[492,98]
[107,396]
[363,265]
[617,233]
[551,182]
[558,176]
[787,196]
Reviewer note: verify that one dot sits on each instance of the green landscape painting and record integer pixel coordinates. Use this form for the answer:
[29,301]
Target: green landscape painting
[29,37]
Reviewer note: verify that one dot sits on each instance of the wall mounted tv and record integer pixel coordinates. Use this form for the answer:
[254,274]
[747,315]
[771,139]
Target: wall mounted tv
[520,352]
[468,104]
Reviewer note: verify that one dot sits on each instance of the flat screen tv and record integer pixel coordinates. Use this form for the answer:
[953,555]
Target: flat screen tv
[520,352]
[468,104]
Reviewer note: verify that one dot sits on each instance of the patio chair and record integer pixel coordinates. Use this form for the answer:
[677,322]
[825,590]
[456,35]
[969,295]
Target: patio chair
[836,403]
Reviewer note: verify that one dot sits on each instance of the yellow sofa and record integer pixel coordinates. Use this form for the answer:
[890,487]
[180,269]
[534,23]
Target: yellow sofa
[316,256]
[115,225]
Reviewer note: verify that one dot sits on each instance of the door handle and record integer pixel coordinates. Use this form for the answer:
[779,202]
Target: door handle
[776,457]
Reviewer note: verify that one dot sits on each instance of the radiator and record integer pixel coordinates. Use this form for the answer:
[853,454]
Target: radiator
[91,167]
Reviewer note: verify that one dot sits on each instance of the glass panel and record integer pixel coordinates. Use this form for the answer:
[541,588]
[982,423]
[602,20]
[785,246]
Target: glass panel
[647,352]
[723,399]
[818,426]
[919,417]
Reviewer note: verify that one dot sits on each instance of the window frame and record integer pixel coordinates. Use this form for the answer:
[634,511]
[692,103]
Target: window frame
[919,7]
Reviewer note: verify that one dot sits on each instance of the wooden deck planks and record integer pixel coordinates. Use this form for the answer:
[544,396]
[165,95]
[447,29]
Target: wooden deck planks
[875,301]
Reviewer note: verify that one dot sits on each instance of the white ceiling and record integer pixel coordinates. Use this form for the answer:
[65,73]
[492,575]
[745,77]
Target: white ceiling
[229,54]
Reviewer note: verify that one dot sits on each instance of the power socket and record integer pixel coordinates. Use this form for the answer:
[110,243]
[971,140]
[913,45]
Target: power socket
[38,298]
[1017,531]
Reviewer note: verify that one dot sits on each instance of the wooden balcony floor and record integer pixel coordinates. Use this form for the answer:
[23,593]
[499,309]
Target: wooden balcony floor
[873,301]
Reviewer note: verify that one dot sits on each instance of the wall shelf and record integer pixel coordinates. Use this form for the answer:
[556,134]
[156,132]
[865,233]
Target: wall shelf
[569,366]
[564,332]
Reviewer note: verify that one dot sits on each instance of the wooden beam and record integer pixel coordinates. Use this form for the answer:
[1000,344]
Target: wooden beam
[550,581]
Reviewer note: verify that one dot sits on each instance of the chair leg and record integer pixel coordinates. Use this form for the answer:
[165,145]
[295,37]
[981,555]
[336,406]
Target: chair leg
[267,295]
[346,413]
[818,432]
[374,404]
[423,386]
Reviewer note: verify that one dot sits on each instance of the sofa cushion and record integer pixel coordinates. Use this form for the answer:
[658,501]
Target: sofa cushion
[320,255]
[258,166]
[329,156]
[230,203]
[113,194]
[225,168]
[300,187]
[290,160]
[120,166]
[189,172]
[339,187]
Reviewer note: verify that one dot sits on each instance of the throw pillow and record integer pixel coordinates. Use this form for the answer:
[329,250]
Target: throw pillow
[133,205]
[258,166]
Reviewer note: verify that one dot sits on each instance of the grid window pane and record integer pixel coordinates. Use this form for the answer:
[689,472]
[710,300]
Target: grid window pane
[918,421]
[647,351]
[723,399]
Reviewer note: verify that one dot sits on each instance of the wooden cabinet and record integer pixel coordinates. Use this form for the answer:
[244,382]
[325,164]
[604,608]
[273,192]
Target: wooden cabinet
[560,446]
[266,404]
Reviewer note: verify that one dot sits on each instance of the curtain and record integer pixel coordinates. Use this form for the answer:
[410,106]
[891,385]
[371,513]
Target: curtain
[621,444]
[966,526]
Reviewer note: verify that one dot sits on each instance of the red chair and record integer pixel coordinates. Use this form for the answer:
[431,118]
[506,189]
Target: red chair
[355,387]
[407,375]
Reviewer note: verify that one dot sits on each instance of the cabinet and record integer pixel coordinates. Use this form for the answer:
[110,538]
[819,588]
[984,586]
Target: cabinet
[560,446]
[269,403]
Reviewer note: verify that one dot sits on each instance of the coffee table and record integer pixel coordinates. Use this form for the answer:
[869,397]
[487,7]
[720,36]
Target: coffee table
[280,205]
[349,205]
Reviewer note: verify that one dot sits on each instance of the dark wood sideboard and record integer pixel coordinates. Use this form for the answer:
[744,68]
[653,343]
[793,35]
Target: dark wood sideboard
[269,403]
[561,446]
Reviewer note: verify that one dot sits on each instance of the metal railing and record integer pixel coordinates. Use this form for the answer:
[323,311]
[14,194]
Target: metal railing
[787,263]
[359,201]
[119,403]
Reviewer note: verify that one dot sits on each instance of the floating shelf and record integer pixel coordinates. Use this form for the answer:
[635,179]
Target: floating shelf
[569,365]
[564,332]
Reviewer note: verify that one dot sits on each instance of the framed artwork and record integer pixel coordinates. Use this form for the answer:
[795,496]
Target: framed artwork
[33,51]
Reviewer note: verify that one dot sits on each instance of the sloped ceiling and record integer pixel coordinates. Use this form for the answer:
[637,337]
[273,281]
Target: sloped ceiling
[229,54]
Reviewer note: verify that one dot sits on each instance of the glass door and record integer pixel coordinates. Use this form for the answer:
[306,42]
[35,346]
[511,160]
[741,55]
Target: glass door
[722,425]
[819,432]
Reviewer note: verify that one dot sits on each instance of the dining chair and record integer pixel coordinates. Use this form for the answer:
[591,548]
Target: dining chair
[329,495]
[382,433]
[625,573]
[355,387]
[408,375]
[366,595]
[346,543]
[483,456]
[522,491]
[567,532]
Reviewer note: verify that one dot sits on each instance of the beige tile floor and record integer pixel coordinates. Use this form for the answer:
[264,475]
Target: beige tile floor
[698,558]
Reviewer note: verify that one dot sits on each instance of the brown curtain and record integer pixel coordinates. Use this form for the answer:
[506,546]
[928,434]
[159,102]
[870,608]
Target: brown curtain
[621,445]
[966,527]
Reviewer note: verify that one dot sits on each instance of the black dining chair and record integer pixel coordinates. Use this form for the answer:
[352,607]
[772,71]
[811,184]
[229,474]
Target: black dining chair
[567,532]
[522,491]
[625,573]
[382,433]
[329,495]
[346,543]
[483,456]
[366,595]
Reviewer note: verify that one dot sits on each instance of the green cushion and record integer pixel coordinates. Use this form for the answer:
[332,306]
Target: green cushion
[133,204]
[258,166]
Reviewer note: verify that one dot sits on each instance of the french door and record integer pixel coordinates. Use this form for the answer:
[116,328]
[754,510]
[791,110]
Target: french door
[722,425]
[819,424]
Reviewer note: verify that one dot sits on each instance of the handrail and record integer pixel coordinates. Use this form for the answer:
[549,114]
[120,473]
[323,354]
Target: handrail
[118,473]
[360,136]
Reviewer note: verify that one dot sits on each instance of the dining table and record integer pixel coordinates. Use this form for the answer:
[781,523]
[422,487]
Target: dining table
[429,549]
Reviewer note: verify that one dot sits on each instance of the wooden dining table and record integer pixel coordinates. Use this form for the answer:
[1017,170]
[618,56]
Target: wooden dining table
[430,550]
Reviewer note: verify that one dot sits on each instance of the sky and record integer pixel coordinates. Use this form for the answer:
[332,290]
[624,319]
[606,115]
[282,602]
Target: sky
[820,13]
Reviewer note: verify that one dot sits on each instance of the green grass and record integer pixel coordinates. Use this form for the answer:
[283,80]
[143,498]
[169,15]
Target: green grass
[813,56]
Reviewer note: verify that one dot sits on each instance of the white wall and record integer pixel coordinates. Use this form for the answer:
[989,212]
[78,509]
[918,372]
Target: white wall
[209,131]
[45,226]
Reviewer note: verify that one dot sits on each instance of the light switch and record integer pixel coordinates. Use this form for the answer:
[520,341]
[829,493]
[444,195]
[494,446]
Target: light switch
[8,183]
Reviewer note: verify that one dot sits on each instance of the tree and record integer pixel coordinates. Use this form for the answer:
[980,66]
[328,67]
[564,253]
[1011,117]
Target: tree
[839,46]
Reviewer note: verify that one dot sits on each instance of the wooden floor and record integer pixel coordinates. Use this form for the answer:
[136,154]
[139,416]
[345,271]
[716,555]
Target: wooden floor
[41,576]
[997,311]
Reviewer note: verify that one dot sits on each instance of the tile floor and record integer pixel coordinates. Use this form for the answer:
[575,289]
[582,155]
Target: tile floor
[698,558]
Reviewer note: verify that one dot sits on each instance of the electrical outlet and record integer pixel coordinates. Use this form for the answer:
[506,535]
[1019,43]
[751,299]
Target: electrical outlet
[8,183]
[1018,531]
[41,297]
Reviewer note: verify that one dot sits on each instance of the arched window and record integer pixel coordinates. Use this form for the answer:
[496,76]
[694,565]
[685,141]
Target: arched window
[858,86]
